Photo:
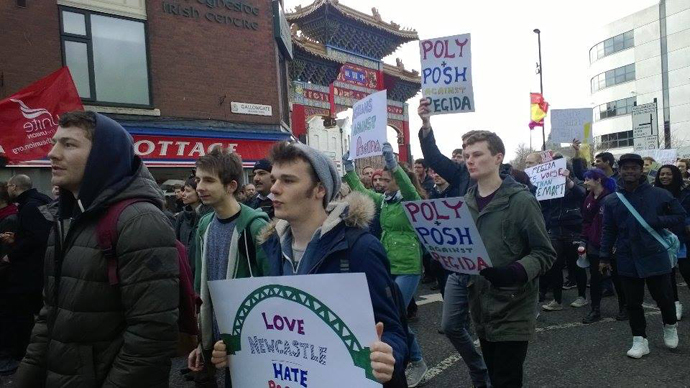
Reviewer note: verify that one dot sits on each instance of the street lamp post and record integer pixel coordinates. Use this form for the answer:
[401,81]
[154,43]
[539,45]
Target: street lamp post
[541,85]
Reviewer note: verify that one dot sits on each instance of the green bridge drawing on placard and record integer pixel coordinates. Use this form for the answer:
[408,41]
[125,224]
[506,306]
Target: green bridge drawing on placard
[360,355]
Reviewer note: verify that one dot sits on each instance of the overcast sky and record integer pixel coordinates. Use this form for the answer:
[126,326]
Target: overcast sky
[504,56]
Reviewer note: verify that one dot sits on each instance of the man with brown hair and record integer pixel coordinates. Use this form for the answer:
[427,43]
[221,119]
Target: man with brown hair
[502,299]
[93,330]
[225,241]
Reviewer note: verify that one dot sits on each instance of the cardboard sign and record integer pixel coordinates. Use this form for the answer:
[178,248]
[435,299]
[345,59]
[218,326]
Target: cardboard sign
[569,124]
[549,179]
[447,74]
[297,331]
[447,230]
[546,156]
[369,126]
[662,156]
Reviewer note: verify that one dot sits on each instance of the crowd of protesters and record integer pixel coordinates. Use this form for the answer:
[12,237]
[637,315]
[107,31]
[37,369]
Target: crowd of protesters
[78,311]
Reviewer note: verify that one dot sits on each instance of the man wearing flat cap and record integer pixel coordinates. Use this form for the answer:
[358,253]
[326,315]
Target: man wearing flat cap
[635,219]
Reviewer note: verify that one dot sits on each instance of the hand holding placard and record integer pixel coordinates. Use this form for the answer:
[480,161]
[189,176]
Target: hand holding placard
[382,360]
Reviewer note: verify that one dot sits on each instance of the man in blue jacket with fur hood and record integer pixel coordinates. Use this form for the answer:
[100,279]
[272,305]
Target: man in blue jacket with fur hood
[311,236]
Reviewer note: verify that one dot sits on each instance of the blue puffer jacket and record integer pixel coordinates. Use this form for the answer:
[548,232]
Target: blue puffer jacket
[364,253]
[638,253]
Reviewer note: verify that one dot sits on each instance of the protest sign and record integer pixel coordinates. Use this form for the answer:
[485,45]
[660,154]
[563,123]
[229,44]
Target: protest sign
[546,156]
[663,156]
[448,232]
[369,126]
[447,74]
[549,179]
[297,331]
[569,124]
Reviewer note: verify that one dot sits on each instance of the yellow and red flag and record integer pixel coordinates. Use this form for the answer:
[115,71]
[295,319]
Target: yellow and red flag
[539,107]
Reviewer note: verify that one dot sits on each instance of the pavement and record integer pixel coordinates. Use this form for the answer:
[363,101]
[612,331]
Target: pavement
[565,352]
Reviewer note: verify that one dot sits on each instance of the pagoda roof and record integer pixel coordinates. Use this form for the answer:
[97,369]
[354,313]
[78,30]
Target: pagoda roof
[334,24]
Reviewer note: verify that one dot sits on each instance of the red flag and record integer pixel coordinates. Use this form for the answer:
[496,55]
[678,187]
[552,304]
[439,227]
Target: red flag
[29,118]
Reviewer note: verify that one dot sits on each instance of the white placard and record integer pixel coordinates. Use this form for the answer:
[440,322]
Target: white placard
[644,120]
[447,74]
[369,125]
[569,124]
[251,109]
[297,331]
[447,230]
[663,156]
[549,179]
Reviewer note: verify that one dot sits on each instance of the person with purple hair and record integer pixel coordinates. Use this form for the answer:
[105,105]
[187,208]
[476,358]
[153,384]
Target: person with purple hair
[599,187]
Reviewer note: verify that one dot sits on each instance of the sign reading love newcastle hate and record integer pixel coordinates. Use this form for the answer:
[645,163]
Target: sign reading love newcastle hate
[297,331]
[369,125]
[447,230]
[447,74]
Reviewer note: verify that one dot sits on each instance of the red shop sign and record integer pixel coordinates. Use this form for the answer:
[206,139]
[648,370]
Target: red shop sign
[175,148]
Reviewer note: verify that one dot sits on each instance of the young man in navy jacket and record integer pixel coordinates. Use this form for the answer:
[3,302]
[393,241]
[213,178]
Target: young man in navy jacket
[311,236]
[641,258]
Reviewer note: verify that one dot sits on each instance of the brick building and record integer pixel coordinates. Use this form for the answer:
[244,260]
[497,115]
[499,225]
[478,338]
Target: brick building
[180,75]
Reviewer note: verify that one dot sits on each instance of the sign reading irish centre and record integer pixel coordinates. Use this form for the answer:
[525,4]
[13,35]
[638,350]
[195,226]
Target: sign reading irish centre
[31,116]
[297,331]
[447,74]
[448,232]
[369,123]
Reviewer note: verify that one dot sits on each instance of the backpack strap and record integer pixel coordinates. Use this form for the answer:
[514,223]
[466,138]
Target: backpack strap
[351,235]
[106,232]
[642,222]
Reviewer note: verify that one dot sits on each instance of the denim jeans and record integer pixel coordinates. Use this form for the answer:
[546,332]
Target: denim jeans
[408,286]
[456,322]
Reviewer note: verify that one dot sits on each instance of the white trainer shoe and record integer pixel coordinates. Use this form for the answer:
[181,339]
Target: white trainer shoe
[671,336]
[579,302]
[639,348]
[552,306]
[679,311]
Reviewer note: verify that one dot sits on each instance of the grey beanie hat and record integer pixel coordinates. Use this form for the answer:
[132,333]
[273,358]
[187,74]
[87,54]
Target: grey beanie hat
[324,168]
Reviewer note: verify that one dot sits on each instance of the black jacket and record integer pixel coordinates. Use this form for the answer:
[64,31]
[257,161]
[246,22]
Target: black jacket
[563,216]
[456,174]
[264,204]
[27,252]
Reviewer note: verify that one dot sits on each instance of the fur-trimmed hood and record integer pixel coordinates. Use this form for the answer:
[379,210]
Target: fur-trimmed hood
[355,210]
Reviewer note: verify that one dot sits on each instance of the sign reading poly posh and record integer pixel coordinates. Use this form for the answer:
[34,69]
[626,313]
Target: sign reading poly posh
[549,179]
[30,117]
[569,124]
[448,232]
[369,122]
[447,74]
[297,331]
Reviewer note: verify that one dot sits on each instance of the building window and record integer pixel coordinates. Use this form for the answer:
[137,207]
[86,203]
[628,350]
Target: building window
[613,45]
[614,108]
[107,57]
[615,140]
[613,77]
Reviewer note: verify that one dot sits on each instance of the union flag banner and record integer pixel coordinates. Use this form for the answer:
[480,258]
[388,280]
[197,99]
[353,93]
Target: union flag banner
[30,117]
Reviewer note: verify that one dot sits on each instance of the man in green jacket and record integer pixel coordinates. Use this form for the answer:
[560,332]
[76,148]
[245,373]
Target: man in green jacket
[226,246]
[503,298]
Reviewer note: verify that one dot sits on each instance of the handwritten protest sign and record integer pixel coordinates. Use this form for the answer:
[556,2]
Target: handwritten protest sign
[569,124]
[448,232]
[297,331]
[369,123]
[447,74]
[549,179]
[663,156]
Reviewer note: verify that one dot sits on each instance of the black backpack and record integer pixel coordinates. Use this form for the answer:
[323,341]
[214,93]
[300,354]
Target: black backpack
[398,381]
